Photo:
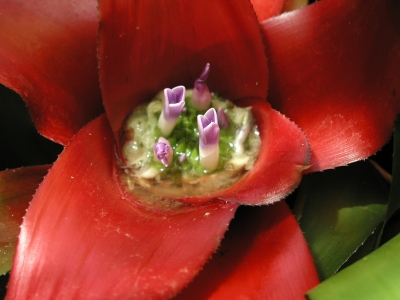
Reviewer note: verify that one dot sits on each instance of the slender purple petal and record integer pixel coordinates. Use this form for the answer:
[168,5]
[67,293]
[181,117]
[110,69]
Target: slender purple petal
[201,97]
[204,75]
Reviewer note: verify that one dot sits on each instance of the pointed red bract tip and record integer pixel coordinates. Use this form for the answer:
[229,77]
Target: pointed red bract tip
[48,56]
[334,71]
[263,256]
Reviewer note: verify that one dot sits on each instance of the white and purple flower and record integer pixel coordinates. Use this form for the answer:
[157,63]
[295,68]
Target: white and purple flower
[174,101]
[209,138]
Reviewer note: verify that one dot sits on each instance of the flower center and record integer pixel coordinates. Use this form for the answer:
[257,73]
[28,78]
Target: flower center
[187,143]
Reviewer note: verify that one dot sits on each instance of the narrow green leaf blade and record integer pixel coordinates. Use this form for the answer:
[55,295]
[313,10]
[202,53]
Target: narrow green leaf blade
[338,210]
[376,276]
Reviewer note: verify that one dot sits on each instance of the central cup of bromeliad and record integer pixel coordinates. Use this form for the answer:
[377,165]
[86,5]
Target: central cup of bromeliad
[188,143]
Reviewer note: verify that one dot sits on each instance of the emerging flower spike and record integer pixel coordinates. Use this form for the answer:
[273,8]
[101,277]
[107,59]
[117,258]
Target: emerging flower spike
[201,94]
[163,151]
[209,138]
[174,101]
[223,120]
[243,132]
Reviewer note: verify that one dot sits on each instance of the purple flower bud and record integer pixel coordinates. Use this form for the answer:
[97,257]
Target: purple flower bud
[201,96]
[223,120]
[163,151]
[174,102]
[209,137]
[182,158]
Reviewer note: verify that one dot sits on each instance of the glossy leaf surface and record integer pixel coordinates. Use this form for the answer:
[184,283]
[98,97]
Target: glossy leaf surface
[48,56]
[376,276]
[263,256]
[83,237]
[17,188]
[334,69]
[146,46]
[338,210]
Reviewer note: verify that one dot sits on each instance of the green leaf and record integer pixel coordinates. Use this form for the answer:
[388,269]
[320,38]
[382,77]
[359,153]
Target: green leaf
[338,210]
[376,276]
[17,187]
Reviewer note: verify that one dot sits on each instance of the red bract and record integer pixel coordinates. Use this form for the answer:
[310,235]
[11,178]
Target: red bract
[50,61]
[337,77]
[85,237]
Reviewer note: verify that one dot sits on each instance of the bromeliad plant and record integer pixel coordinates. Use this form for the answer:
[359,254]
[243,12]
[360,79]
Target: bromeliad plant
[88,232]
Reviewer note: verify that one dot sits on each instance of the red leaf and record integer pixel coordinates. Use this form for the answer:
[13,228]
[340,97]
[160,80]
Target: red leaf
[82,238]
[48,56]
[334,70]
[17,188]
[266,9]
[263,256]
[150,45]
